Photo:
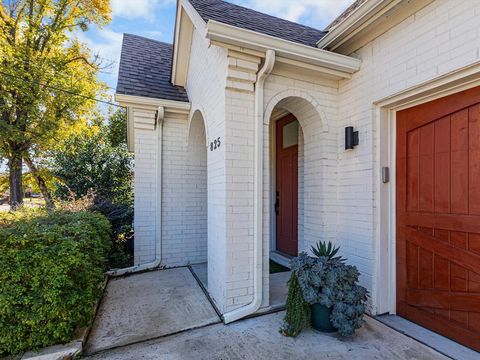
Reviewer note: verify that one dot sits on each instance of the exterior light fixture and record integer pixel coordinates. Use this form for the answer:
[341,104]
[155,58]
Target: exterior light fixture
[351,138]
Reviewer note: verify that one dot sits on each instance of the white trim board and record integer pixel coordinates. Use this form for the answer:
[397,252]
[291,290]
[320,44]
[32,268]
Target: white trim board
[149,103]
[223,33]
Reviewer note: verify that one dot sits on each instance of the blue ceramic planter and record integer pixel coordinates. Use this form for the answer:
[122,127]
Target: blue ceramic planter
[321,318]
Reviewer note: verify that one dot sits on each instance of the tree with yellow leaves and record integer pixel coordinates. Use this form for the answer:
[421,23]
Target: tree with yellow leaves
[47,79]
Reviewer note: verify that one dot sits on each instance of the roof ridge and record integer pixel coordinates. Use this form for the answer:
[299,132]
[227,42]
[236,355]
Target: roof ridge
[249,19]
[147,38]
[260,12]
[345,14]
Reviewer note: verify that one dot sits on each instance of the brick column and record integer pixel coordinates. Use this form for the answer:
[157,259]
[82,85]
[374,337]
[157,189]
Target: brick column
[146,173]
[239,170]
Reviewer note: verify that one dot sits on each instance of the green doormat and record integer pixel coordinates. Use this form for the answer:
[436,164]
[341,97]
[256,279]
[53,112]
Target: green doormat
[276,267]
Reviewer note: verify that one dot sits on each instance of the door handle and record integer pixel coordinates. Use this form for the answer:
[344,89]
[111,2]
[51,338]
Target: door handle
[277,203]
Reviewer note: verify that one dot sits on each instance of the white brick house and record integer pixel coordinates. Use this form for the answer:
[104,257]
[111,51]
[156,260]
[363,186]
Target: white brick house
[211,173]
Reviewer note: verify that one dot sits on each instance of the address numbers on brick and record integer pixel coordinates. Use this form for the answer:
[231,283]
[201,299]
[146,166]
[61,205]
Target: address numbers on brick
[215,144]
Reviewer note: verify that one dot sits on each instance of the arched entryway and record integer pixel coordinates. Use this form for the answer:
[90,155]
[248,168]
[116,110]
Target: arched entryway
[197,197]
[297,132]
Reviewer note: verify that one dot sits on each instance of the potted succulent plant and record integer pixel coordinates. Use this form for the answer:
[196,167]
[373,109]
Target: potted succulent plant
[324,292]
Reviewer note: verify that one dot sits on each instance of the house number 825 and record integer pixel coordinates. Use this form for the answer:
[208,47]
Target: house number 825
[215,144]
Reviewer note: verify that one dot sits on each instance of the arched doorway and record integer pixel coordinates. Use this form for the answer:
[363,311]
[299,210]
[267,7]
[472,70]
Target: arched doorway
[197,197]
[297,183]
[287,184]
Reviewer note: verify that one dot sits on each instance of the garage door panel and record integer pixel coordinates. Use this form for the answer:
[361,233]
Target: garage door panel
[442,280]
[454,301]
[465,335]
[458,277]
[459,257]
[450,222]
[412,265]
[474,243]
[458,239]
[425,259]
[438,216]
[474,322]
[473,282]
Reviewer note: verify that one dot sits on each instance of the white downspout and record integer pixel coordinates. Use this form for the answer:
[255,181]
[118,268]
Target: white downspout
[158,221]
[258,197]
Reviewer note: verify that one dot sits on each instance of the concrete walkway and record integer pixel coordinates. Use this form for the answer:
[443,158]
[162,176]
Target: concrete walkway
[149,305]
[258,338]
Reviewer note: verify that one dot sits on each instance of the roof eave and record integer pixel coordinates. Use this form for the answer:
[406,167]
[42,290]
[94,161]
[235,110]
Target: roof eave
[362,14]
[186,19]
[368,21]
[148,102]
[223,33]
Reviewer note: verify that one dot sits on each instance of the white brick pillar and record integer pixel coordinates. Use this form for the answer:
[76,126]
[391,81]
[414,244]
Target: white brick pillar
[146,222]
[239,170]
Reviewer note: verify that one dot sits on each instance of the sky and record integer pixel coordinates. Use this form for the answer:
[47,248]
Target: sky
[155,19]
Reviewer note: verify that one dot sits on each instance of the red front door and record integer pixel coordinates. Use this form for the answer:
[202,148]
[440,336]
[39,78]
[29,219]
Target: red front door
[438,216]
[286,206]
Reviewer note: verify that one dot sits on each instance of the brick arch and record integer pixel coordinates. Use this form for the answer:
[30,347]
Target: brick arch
[299,94]
[198,111]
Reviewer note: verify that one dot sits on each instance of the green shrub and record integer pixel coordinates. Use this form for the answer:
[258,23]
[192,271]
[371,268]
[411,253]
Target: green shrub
[51,269]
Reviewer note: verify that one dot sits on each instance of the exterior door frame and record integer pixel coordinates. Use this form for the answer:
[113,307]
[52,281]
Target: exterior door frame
[272,133]
[279,124]
[384,112]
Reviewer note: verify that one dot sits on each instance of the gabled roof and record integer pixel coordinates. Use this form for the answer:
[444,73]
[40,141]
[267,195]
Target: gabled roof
[245,18]
[145,69]
[348,11]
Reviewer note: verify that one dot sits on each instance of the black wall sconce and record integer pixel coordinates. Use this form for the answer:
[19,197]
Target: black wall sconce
[351,138]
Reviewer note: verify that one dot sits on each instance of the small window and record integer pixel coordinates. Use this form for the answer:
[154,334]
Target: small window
[290,134]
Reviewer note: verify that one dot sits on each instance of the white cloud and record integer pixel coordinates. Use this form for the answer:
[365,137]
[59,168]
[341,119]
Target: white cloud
[132,9]
[107,44]
[315,13]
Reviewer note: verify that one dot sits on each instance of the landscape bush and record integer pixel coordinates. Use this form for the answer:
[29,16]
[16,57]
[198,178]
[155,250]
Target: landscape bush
[97,166]
[51,270]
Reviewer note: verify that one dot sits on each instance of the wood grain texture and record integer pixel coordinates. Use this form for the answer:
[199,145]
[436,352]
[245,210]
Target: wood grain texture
[438,216]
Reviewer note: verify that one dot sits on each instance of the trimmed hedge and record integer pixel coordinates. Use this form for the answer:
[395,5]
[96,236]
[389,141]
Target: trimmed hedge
[51,269]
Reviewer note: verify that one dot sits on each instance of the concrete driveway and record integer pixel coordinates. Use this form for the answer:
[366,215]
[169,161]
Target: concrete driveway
[149,305]
[258,338]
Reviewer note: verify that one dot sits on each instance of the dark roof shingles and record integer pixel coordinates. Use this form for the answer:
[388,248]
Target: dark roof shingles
[145,69]
[245,18]
[343,16]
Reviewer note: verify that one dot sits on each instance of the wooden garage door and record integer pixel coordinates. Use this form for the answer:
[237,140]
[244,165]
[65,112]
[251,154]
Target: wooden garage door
[438,216]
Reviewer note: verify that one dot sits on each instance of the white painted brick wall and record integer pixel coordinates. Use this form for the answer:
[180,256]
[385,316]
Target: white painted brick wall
[338,201]
[440,38]
[206,90]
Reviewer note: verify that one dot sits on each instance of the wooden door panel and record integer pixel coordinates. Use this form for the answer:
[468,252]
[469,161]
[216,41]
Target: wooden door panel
[287,192]
[438,216]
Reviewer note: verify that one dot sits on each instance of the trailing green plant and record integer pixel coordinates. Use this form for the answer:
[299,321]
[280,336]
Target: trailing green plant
[51,268]
[329,251]
[297,309]
[332,283]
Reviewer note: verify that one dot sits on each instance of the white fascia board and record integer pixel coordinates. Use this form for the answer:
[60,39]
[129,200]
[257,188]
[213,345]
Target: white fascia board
[346,28]
[228,34]
[184,8]
[141,101]
[175,40]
